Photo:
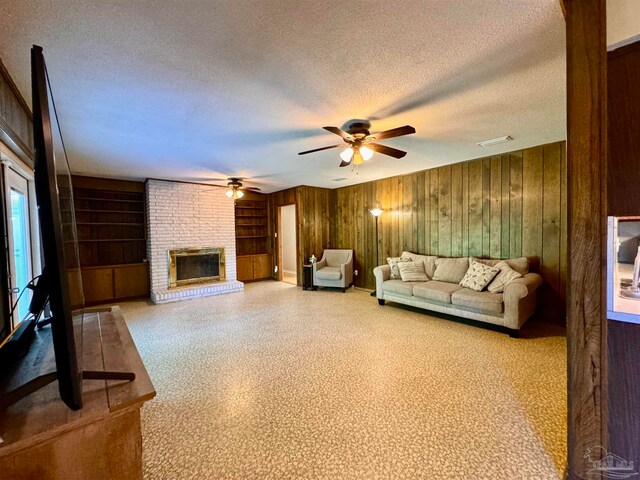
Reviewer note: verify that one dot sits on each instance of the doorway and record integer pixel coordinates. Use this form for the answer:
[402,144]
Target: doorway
[17,201]
[287,245]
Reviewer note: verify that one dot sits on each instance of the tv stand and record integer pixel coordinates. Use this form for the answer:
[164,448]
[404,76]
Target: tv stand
[103,439]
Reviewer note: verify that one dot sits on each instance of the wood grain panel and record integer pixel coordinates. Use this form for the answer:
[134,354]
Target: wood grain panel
[586,225]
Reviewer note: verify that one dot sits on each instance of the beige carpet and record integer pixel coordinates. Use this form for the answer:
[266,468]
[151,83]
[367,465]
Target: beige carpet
[282,383]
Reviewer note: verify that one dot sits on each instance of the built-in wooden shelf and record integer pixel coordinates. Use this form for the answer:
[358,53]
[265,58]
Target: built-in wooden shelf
[111,224]
[252,246]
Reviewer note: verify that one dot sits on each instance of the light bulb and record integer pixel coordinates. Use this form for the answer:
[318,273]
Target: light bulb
[239,194]
[366,153]
[357,158]
[229,193]
[347,154]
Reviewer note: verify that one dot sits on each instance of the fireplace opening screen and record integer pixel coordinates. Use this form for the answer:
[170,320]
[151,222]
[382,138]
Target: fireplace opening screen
[187,266]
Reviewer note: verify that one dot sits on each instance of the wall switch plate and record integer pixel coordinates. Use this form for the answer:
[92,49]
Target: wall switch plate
[355,272]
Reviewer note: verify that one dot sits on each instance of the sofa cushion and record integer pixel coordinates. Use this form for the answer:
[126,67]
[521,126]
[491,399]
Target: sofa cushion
[520,264]
[393,263]
[436,291]
[412,272]
[451,269]
[479,276]
[329,273]
[485,302]
[398,287]
[428,260]
[506,276]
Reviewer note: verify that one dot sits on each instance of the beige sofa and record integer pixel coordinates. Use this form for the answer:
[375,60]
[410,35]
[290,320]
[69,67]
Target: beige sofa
[510,309]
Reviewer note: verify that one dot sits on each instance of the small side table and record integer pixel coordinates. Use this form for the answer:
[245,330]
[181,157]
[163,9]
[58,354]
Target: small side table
[307,277]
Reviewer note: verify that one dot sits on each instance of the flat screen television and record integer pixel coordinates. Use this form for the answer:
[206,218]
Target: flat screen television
[61,273]
[61,279]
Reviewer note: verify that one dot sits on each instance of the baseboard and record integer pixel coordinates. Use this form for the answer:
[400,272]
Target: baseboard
[289,272]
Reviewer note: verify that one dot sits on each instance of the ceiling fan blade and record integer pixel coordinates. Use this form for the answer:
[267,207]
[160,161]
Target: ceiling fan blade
[394,132]
[337,131]
[392,152]
[320,149]
[345,164]
[256,189]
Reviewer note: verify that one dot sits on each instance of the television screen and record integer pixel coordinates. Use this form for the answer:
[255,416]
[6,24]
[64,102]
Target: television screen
[61,271]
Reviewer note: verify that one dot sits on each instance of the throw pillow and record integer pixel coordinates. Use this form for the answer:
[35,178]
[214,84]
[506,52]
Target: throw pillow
[520,264]
[428,260]
[450,270]
[478,276]
[412,272]
[393,263]
[506,276]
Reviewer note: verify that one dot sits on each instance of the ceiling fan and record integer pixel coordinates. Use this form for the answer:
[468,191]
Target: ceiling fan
[235,188]
[360,141]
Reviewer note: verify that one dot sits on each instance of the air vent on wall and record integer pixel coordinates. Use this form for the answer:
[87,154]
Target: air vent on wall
[494,141]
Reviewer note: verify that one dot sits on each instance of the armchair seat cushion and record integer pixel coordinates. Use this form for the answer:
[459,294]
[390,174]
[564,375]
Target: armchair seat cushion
[398,287]
[329,273]
[436,291]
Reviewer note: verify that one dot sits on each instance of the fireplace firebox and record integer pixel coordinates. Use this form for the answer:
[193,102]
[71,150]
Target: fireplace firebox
[196,265]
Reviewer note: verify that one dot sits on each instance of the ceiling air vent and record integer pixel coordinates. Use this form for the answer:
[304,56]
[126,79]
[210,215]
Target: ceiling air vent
[494,141]
[341,179]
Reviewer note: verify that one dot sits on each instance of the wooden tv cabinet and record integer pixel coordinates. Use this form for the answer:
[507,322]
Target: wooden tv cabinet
[43,439]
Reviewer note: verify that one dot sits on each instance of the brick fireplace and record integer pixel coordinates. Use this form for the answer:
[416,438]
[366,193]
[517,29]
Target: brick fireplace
[185,217]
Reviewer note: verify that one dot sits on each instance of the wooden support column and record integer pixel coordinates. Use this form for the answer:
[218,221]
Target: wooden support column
[586,178]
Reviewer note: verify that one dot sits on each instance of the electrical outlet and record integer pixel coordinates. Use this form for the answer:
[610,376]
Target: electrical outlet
[355,272]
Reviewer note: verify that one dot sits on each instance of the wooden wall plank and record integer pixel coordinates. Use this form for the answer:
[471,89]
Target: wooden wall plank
[495,213]
[532,203]
[444,209]
[434,214]
[476,204]
[505,229]
[486,207]
[456,210]
[515,204]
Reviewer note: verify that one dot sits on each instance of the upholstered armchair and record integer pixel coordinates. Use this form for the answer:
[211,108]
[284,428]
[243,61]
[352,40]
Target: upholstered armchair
[335,269]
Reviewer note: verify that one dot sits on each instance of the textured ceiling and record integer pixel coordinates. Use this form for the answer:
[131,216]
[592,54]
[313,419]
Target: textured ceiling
[194,90]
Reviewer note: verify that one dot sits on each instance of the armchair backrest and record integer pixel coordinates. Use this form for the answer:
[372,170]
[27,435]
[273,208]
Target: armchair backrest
[335,258]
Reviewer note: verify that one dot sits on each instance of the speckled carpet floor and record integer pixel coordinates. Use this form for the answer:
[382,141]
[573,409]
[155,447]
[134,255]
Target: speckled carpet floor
[276,382]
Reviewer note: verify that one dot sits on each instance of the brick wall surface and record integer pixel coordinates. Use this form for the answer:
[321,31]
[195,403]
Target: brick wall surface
[185,215]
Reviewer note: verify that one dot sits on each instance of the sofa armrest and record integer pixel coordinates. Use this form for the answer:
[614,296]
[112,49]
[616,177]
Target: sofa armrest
[382,273]
[520,299]
[318,265]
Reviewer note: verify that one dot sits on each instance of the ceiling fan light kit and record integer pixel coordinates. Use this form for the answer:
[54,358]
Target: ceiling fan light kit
[360,141]
[234,193]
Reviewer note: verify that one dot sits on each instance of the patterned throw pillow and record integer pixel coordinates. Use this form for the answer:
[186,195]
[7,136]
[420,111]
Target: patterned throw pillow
[504,278]
[393,263]
[412,272]
[478,276]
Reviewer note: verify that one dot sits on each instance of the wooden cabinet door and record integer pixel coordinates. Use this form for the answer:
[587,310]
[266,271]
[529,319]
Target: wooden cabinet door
[98,285]
[244,267]
[131,281]
[261,266]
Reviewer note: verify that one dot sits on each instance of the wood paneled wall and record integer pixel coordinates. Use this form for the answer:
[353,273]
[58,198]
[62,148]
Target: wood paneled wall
[16,127]
[314,212]
[502,206]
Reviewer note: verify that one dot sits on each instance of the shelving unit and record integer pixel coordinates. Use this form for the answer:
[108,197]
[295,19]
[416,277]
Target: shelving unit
[111,226]
[252,239]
